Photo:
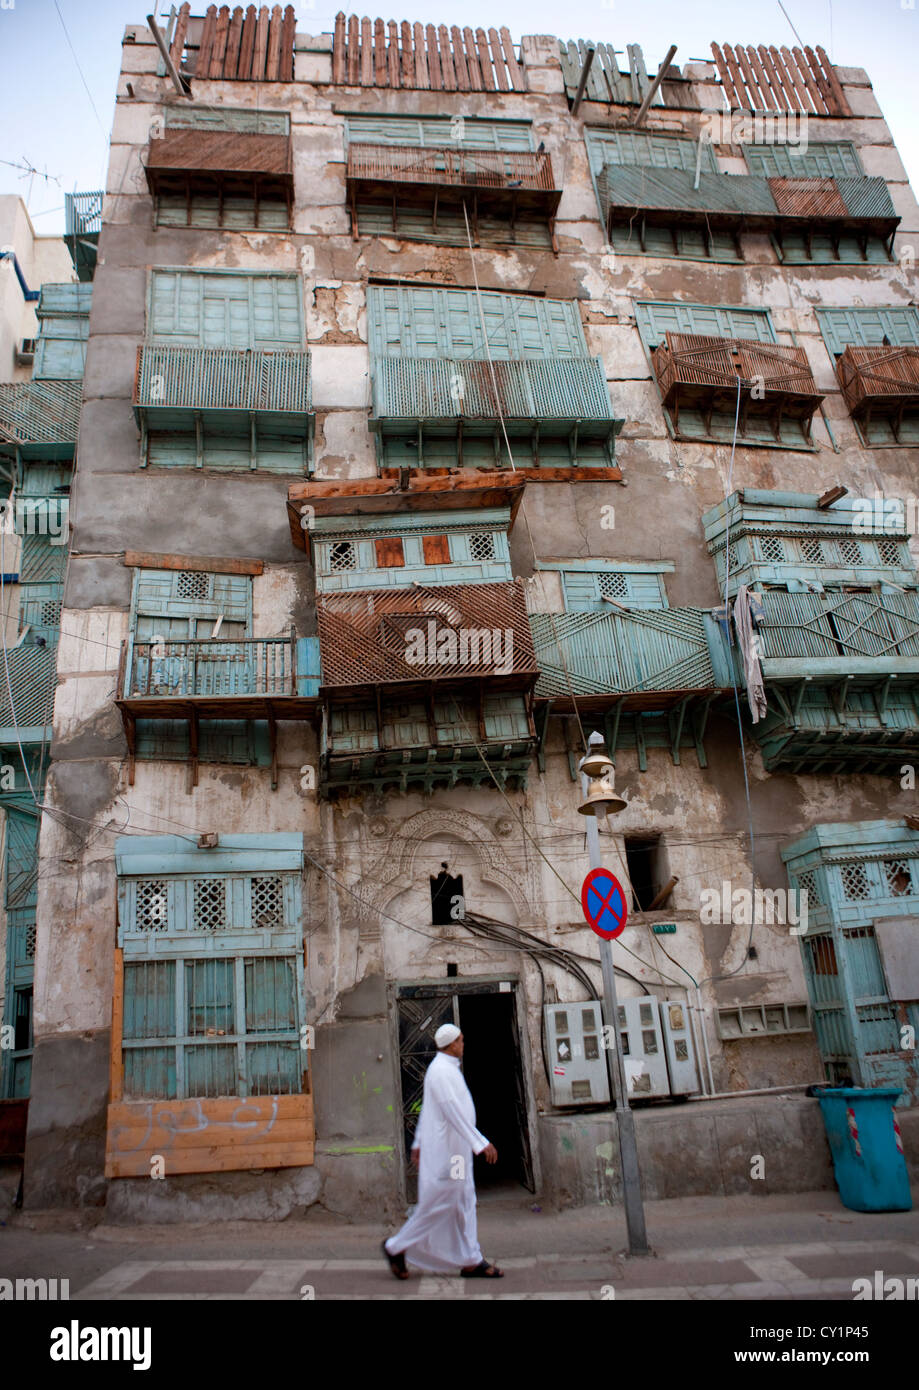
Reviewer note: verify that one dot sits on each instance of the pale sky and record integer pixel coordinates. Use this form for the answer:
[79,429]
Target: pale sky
[56,103]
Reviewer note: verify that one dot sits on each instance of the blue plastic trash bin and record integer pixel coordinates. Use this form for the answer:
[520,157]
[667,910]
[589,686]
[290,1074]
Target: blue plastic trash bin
[864,1138]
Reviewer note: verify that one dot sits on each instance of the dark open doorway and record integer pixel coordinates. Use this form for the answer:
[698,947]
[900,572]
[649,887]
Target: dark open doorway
[492,1066]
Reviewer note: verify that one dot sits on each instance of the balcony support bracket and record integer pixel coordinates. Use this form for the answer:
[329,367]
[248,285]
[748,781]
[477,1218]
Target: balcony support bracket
[699,721]
[640,744]
[676,720]
[273,745]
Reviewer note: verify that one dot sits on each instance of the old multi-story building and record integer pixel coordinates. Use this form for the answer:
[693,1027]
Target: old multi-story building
[39,419]
[443,395]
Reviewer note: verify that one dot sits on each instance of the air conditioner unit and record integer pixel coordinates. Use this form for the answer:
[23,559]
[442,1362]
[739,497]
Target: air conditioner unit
[577,1057]
[25,352]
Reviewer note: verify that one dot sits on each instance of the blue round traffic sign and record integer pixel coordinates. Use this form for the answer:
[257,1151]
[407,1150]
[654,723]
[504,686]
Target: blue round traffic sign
[603,901]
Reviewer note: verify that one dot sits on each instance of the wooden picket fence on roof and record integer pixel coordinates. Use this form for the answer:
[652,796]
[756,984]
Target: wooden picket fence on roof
[255,47]
[367,53]
[765,79]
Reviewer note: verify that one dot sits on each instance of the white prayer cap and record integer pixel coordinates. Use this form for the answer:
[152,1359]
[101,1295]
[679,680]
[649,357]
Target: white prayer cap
[446,1034]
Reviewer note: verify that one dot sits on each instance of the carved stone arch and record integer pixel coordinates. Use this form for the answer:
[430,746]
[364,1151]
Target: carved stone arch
[394,873]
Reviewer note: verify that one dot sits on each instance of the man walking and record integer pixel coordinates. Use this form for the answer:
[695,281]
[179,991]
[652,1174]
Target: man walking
[441,1234]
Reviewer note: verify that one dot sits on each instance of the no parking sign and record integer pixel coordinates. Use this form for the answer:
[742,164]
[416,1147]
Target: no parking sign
[603,901]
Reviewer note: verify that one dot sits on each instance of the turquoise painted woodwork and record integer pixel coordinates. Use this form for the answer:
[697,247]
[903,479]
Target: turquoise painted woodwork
[868,327]
[213,965]
[83,223]
[214,309]
[345,554]
[424,746]
[40,419]
[438,131]
[231,213]
[241,120]
[823,159]
[637,653]
[657,317]
[785,538]
[241,741]
[691,243]
[20,898]
[431,322]
[63,331]
[800,248]
[445,225]
[855,875]
[646,150]
[308,666]
[591,590]
[223,380]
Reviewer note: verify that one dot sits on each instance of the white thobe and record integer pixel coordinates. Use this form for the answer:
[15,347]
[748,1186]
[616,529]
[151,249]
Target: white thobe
[441,1234]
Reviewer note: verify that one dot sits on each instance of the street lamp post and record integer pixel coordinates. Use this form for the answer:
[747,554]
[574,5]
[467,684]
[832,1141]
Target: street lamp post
[593,807]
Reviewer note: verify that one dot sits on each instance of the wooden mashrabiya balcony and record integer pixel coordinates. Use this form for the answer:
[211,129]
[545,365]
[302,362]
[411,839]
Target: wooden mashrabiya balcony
[699,372]
[880,381]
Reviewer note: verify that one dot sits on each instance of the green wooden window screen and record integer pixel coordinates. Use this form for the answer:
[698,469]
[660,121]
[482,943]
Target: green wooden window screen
[648,150]
[687,242]
[236,213]
[415,223]
[206,309]
[446,323]
[219,1026]
[657,317]
[592,590]
[868,327]
[826,160]
[227,118]
[192,596]
[436,132]
[847,249]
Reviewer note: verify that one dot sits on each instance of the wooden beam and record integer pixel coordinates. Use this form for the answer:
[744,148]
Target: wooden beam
[273,58]
[288,39]
[149,560]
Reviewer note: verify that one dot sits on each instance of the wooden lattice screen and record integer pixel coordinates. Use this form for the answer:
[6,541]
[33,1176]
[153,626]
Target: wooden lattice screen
[255,47]
[765,79]
[368,53]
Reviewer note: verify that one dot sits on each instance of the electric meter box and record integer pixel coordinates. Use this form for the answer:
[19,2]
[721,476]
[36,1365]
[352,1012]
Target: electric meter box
[681,1055]
[577,1057]
[643,1054]
[657,1046]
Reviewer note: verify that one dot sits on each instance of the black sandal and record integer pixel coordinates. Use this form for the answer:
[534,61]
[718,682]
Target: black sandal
[483,1271]
[396,1262]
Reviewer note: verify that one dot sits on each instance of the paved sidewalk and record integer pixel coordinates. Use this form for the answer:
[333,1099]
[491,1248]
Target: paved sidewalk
[798,1247]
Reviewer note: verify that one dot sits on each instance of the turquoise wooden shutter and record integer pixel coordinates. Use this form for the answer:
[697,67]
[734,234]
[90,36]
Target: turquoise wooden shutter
[60,353]
[437,131]
[242,311]
[448,323]
[826,160]
[655,318]
[188,594]
[647,150]
[864,327]
[590,590]
[582,591]
[240,119]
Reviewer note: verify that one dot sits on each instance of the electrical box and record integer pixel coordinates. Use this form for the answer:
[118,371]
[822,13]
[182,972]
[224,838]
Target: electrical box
[577,1058]
[681,1055]
[643,1053]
